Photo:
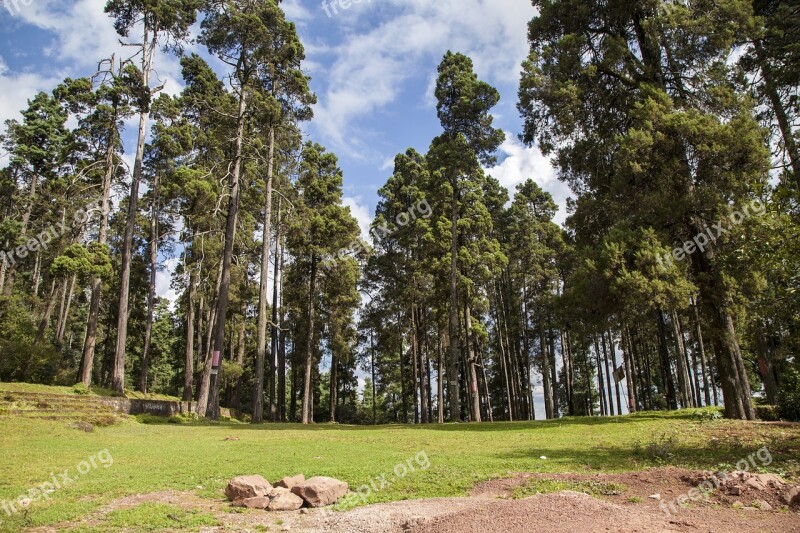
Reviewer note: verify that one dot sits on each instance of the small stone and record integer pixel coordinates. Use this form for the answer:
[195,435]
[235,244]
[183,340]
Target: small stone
[543,457]
[755,484]
[735,491]
[655,496]
[792,496]
[770,480]
[304,510]
[763,505]
[290,481]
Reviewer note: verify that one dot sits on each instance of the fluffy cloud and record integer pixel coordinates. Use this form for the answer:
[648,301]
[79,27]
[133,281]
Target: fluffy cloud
[361,213]
[519,163]
[164,281]
[370,66]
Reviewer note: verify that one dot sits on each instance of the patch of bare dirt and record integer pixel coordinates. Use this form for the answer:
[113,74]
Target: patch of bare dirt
[491,508]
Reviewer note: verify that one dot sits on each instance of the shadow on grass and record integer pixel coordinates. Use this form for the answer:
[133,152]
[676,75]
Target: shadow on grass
[583,421]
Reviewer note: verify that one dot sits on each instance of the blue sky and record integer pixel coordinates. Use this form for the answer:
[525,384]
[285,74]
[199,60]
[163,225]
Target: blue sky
[372,63]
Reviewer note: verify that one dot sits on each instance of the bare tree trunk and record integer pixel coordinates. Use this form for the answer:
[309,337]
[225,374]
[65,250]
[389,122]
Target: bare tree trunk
[87,357]
[48,311]
[118,379]
[701,347]
[212,412]
[261,343]
[151,288]
[666,370]
[282,338]
[452,370]
[205,381]
[600,385]
[546,388]
[471,362]
[307,398]
[439,381]
[64,315]
[188,377]
[610,402]
[274,331]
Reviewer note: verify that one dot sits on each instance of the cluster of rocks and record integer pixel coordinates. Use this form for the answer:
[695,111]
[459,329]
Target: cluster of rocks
[288,494]
[758,487]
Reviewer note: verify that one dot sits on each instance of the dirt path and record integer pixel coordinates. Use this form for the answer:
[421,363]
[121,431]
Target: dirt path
[491,508]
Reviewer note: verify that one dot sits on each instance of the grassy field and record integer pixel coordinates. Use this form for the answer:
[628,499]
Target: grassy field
[195,456]
[76,391]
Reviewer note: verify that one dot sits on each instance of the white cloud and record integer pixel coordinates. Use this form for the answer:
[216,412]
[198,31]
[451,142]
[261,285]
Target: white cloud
[164,281]
[370,67]
[361,213]
[17,89]
[520,163]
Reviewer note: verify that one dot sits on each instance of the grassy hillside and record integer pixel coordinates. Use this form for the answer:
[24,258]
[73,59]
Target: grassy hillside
[143,456]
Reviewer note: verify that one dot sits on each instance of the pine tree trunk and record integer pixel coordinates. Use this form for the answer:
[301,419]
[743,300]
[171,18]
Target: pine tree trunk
[601,388]
[118,377]
[780,114]
[547,390]
[666,370]
[205,381]
[439,378]
[701,346]
[282,340]
[261,343]
[48,312]
[473,377]
[151,289]
[453,360]
[307,398]
[188,376]
[212,411]
[87,357]
[274,330]
[62,323]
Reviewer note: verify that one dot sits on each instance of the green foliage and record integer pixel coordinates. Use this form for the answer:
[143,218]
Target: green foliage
[767,413]
[789,396]
[81,389]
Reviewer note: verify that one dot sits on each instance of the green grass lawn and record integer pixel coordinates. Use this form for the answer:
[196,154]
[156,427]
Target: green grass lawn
[196,457]
[78,391]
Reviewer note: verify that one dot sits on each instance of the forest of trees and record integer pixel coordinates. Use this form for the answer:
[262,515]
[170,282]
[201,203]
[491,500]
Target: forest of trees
[675,282]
